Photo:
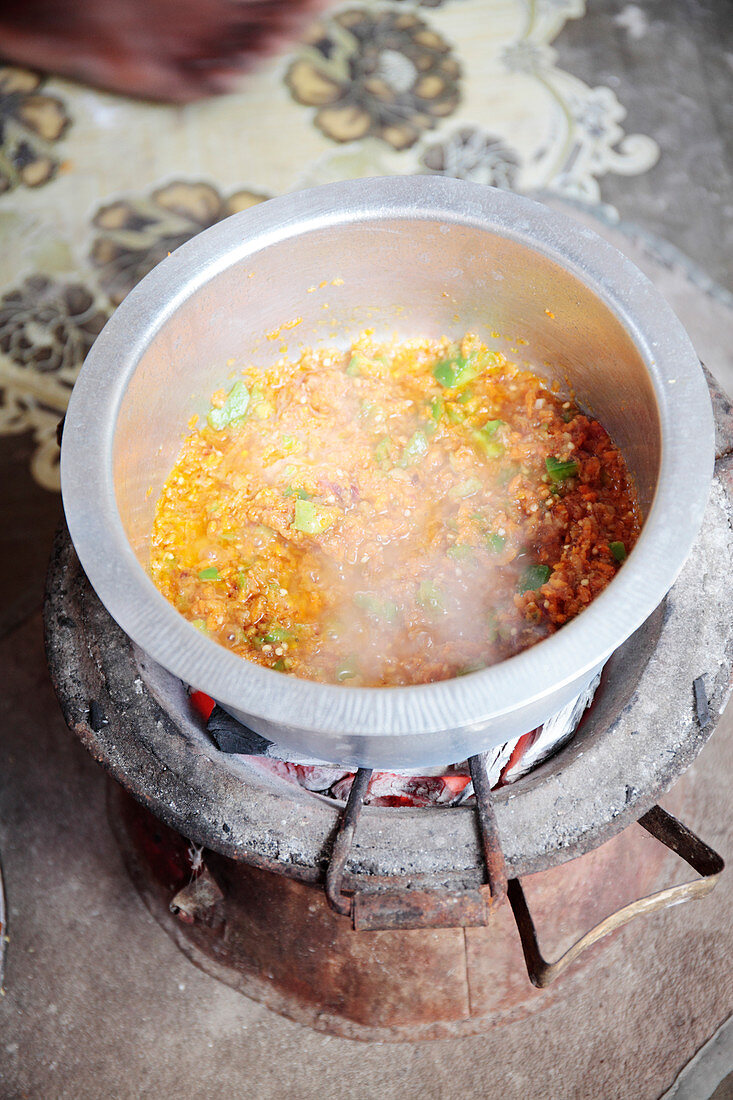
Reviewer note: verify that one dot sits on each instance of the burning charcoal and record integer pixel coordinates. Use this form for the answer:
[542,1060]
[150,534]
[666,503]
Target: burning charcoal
[313,777]
[446,785]
[556,731]
[390,789]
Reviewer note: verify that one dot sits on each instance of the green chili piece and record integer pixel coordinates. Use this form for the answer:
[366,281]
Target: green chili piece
[381,452]
[492,627]
[495,542]
[430,596]
[457,372]
[301,494]
[415,448]
[461,552]
[467,488]
[477,666]
[234,409]
[436,415]
[560,470]
[376,607]
[492,448]
[260,406]
[310,519]
[277,634]
[618,550]
[507,473]
[347,670]
[279,665]
[533,577]
[264,533]
[455,415]
[211,573]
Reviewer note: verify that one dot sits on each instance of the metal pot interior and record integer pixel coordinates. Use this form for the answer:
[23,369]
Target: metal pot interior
[398,276]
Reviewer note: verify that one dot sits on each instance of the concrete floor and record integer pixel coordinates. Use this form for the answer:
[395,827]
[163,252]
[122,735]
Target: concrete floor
[98,1002]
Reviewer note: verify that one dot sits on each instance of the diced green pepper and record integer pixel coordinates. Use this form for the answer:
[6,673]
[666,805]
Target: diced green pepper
[461,552]
[507,473]
[234,409]
[415,448]
[457,372]
[301,494]
[291,444]
[259,405]
[430,596]
[492,627]
[310,519]
[559,470]
[618,550]
[533,577]
[211,573]
[200,624]
[495,542]
[347,670]
[277,634]
[467,488]
[375,606]
[381,452]
[455,415]
[279,665]
[492,448]
[436,415]
[264,533]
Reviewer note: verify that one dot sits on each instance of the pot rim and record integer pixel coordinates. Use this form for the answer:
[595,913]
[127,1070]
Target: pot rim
[669,530]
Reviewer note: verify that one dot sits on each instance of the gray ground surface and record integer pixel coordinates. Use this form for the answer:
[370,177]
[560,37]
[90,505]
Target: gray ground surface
[671,65]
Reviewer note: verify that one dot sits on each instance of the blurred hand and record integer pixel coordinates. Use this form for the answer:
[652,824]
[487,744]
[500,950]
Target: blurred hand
[172,50]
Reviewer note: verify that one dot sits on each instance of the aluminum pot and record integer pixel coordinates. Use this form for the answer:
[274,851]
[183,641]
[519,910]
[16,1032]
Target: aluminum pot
[409,255]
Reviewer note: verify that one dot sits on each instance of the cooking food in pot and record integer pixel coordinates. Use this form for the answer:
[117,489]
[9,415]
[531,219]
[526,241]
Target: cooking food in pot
[394,514]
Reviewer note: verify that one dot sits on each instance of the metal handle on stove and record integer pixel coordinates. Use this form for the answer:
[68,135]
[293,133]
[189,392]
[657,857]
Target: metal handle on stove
[675,836]
[410,909]
[407,909]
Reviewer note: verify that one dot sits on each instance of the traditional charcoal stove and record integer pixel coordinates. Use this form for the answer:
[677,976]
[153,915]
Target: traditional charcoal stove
[406,923]
[368,921]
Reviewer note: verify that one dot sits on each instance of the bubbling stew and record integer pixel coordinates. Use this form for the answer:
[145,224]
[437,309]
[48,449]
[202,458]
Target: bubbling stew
[394,514]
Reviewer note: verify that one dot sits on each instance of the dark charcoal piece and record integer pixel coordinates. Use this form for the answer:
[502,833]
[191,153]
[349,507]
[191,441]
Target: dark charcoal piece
[229,735]
[701,702]
[97,717]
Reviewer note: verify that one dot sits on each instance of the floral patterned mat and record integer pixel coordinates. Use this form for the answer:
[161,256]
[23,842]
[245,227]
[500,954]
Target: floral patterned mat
[96,189]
